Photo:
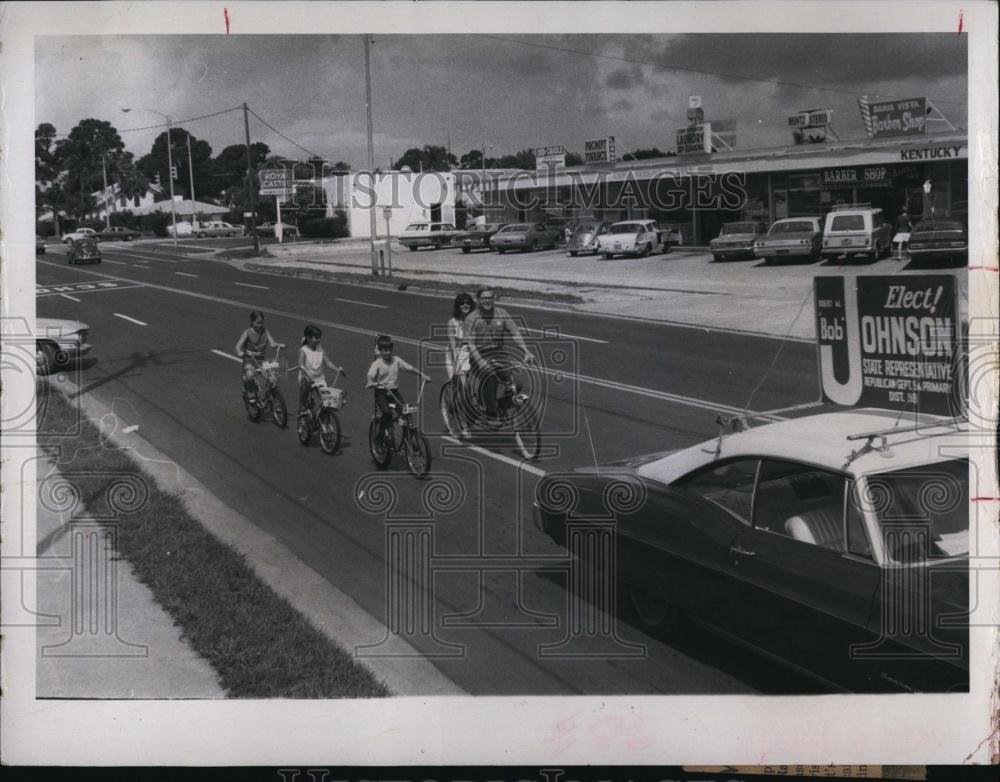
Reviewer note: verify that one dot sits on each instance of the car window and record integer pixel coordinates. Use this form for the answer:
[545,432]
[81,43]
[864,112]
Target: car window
[922,511]
[802,502]
[739,228]
[729,485]
[626,228]
[848,223]
[416,227]
[795,226]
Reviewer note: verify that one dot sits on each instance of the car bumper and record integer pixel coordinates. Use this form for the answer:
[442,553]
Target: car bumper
[803,251]
[508,245]
[732,252]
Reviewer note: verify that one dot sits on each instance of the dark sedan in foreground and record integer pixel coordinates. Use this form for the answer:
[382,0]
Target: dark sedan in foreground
[836,544]
[476,236]
[941,240]
[85,250]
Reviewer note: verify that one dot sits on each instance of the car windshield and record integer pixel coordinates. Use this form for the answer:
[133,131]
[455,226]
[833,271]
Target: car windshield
[848,223]
[519,228]
[491,227]
[739,228]
[416,227]
[792,227]
[626,228]
[922,511]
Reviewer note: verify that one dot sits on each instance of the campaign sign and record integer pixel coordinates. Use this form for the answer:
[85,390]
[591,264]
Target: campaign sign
[889,342]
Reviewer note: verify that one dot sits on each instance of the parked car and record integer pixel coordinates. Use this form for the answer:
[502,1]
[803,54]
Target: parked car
[736,240]
[794,237]
[561,224]
[117,232]
[524,237]
[85,250]
[803,539]
[58,342]
[39,245]
[269,229]
[945,240]
[435,235]
[584,236]
[79,233]
[631,237]
[856,230]
[217,228]
[476,236]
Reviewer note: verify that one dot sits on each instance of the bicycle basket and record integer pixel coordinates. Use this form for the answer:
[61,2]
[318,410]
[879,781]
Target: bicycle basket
[331,397]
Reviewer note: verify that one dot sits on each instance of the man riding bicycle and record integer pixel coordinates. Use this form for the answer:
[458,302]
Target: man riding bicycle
[487,330]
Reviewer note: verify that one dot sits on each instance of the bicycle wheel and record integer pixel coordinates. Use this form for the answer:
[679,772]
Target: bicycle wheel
[527,434]
[449,413]
[304,427]
[278,408]
[329,431]
[253,412]
[418,453]
[380,451]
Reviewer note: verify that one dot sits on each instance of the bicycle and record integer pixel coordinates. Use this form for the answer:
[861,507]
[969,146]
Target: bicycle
[321,415]
[268,395]
[515,411]
[455,412]
[384,442]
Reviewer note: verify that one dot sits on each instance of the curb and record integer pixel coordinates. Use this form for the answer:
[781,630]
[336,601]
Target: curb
[328,609]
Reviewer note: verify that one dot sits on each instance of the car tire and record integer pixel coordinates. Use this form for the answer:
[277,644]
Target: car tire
[608,256]
[715,258]
[201,235]
[466,250]
[646,250]
[411,248]
[573,253]
[501,250]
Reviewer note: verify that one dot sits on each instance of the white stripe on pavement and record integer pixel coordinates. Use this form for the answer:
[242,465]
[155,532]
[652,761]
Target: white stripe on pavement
[248,285]
[131,320]
[186,274]
[120,263]
[363,303]
[67,296]
[520,464]
[226,355]
[557,334]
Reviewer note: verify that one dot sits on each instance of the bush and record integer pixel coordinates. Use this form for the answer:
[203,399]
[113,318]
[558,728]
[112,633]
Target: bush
[125,219]
[326,227]
[156,223]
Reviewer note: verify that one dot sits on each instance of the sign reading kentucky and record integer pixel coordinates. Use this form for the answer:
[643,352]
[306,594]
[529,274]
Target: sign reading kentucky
[889,342]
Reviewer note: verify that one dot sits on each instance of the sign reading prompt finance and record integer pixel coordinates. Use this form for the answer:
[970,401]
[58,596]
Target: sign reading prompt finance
[275,181]
[890,342]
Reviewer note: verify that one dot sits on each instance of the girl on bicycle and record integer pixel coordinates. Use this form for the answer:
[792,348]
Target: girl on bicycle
[383,376]
[311,362]
[251,347]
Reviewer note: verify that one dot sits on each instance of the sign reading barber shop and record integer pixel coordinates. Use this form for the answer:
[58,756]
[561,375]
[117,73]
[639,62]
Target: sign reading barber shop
[889,342]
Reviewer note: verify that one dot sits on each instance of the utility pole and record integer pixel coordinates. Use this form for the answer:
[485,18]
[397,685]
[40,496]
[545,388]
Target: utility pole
[191,178]
[104,174]
[371,155]
[251,188]
[170,174]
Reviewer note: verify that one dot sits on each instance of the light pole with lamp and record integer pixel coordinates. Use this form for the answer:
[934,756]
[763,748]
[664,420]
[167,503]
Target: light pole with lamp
[483,184]
[170,170]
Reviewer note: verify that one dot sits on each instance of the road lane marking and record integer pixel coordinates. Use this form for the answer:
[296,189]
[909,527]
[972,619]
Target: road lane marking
[555,333]
[133,254]
[186,274]
[362,303]
[131,320]
[611,384]
[230,356]
[519,463]
[71,298]
[120,263]
[248,285]
[59,289]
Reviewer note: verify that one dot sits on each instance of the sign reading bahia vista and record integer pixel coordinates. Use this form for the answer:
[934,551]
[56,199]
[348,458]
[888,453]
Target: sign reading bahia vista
[889,342]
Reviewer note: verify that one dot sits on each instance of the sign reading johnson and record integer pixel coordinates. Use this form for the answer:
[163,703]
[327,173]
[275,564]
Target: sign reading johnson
[895,117]
[889,342]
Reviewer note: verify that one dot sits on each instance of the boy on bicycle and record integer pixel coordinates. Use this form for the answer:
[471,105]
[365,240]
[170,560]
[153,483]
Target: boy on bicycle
[383,376]
[251,347]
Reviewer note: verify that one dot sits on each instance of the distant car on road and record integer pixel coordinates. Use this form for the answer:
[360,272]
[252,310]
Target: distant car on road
[637,238]
[85,250]
[435,235]
[584,236]
[803,539]
[939,240]
[736,240]
[524,237]
[117,232]
[218,228]
[793,237]
[856,230]
[39,245]
[58,342]
[269,229]
[476,236]
[79,233]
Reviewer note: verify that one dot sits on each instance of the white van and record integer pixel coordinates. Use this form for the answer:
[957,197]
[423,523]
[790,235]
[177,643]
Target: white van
[858,229]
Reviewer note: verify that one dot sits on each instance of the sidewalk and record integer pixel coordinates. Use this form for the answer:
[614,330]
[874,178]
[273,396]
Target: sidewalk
[682,286]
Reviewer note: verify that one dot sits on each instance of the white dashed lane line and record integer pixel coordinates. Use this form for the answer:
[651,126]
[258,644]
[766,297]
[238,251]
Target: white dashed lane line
[67,296]
[364,303]
[120,263]
[556,333]
[186,274]
[130,320]
[230,356]
[248,285]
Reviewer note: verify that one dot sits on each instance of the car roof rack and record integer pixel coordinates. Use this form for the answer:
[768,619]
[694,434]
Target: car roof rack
[910,427]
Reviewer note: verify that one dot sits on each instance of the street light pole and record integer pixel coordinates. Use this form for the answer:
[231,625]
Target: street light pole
[104,175]
[191,176]
[373,229]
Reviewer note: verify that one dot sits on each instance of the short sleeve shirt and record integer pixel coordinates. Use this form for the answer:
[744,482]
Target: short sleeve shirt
[489,333]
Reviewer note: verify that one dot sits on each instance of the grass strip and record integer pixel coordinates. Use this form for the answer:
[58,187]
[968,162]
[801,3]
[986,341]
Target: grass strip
[257,643]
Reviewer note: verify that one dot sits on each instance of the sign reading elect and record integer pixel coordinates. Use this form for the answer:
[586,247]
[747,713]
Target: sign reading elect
[889,342]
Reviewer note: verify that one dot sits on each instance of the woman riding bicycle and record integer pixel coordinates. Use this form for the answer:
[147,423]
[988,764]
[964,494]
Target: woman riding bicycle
[311,362]
[251,347]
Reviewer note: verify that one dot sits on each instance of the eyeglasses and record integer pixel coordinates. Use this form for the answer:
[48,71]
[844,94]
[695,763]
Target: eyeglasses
[465,304]
[486,298]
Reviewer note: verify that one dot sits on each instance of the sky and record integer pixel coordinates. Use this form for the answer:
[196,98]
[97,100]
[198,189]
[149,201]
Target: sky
[505,91]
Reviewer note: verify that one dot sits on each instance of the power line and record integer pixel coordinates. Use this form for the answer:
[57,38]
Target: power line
[175,123]
[293,143]
[633,61]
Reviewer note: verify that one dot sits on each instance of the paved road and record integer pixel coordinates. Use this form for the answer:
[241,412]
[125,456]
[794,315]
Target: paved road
[162,324]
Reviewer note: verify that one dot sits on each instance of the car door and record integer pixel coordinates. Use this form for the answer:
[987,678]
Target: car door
[807,573]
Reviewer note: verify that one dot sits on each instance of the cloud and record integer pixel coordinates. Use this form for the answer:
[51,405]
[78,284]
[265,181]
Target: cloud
[625,78]
[623,105]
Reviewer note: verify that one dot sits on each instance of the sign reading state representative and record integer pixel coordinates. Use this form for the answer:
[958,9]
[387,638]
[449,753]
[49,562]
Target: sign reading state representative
[889,342]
